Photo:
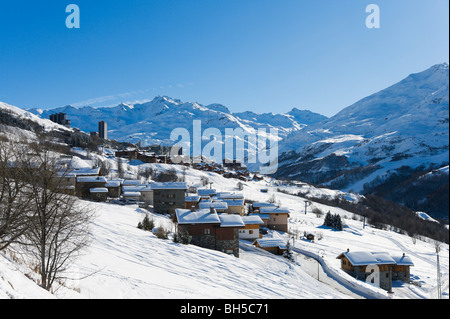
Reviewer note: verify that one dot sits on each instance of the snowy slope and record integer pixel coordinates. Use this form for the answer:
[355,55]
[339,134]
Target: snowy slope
[45,123]
[125,262]
[405,124]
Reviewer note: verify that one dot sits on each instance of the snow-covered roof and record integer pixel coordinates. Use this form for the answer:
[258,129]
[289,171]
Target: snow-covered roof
[91,179]
[112,184]
[130,182]
[262,216]
[271,242]
[137,188]
[274,210]
[131,194]
[169,185]
[227,195]
[206,192]
[216,205]
[87,171]
[258,205]
[403,260]
[193,198]
[234,202]
[252,220]
[231,220]
[202,216]
[99,190]
[362,258]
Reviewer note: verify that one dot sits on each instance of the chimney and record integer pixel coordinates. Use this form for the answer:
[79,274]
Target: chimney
[192,208]
[348,250]
[212,210]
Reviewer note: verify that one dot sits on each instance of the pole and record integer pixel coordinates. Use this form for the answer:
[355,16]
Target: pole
[439,292]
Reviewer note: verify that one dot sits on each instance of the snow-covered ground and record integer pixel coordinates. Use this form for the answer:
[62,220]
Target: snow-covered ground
[123,261]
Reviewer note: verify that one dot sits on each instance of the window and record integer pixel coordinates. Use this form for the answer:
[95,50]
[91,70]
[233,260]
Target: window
[207,231]
[251,232]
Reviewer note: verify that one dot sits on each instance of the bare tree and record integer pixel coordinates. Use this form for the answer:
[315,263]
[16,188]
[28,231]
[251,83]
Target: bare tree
[14,205]
[58,226]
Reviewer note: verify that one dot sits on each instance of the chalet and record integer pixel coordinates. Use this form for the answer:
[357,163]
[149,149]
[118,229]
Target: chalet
[275,246]
[192,201]
[99,194]
[142,193]
[113,186]
[131,196]
[278,217]
[85,183]
[255,207]
[264,217]
[209,229]
[251,229]
[235,206]
[168,196]
[391,268]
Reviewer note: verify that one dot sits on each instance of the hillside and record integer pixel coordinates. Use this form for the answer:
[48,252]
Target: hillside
[380,141]
[125,262]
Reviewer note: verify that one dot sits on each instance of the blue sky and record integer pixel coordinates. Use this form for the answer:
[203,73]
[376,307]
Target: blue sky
[258,55]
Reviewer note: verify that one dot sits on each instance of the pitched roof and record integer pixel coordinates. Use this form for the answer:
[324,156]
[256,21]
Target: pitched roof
[252,220]
[274,210]
[231,220]
[215,205]
[91,179]
[271,242]
[99,190]
[206,192]
[169,185]
[202,216]
[363,258]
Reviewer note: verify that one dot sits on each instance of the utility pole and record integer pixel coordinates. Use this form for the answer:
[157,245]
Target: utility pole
[438,266]
[307,202]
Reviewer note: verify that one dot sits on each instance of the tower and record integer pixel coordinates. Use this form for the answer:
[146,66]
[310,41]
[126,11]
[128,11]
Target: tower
[103,129]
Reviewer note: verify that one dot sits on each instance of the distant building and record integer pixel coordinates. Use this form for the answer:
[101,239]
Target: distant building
[60,118]
[168,196]
[103,130]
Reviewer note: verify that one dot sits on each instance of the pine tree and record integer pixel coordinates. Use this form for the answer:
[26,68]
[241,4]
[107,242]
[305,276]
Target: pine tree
[288,252]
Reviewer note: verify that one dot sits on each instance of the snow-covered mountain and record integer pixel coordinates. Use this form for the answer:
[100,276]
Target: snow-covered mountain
[152,122]
[405,125]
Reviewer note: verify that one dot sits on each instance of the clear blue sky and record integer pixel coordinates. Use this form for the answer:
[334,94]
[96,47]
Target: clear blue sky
[259,55]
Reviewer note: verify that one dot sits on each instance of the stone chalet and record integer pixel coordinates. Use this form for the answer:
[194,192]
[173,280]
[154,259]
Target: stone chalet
[84,184]
[209,229]
[390,267]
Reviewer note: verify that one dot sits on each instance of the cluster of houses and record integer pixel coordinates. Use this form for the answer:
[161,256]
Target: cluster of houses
[218,220]
[228,169]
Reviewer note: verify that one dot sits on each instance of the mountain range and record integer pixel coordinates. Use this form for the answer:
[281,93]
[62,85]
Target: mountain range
[152,122]
[391,143]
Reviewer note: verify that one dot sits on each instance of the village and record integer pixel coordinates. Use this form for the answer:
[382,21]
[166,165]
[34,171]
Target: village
[221,220]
